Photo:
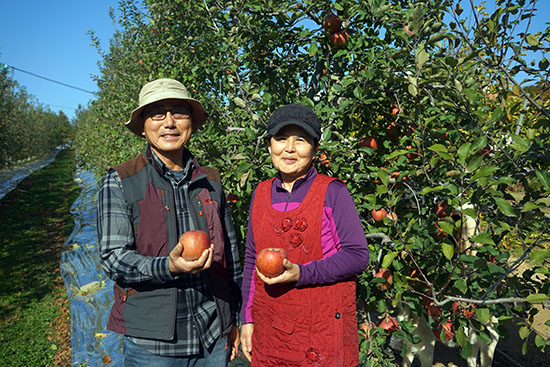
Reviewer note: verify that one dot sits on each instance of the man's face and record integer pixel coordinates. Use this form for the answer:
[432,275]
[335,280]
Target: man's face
[168,127]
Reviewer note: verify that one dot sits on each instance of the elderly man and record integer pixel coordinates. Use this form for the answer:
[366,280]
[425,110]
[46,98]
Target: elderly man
[171,311]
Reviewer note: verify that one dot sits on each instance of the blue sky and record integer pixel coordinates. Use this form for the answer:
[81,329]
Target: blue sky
[49,38]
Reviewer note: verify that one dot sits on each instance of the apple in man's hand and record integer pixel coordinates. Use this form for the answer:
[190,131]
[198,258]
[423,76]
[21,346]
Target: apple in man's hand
[194,243]
[270,261]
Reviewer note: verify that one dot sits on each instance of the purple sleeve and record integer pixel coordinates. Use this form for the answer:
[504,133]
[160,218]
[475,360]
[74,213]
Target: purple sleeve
[352,256]
[247,288]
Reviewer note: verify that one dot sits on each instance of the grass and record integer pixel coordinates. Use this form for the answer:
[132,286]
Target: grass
[35,221]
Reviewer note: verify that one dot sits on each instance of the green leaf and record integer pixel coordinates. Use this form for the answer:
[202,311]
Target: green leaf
[505,207]
[441,151]
[537,297]
[480,143]
[483,315]
[312,49]
[463,152]
[537,256]
[383,176]
[544,179]
[438,148]
[474,163]
[412,90]
[381,189]
[527,207]
[446,227]
[421,57]
[484,171]
[388,259]
[484,238]
[437,37]
[532,40]
[539,341]
[461,285]
[427,190]
[448,250]
[239,102]
[461,337]
[357,92]
[521,145]
[523,332]
[396,154]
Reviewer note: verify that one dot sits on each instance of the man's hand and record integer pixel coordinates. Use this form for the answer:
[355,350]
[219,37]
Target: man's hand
[179,265]
[291,274]
[246,340]
[233,342]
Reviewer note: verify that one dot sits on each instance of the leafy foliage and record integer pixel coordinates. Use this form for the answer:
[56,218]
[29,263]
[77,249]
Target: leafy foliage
[438,90]
[27,129]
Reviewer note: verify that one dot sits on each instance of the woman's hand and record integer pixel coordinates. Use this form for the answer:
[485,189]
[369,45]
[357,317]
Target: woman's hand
[291,274]
[246,340]
[179,265]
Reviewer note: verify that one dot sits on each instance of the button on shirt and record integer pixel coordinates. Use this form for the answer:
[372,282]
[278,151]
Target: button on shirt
[196,313]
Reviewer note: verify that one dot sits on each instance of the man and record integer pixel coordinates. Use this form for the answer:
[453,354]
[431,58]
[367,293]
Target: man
[172,312]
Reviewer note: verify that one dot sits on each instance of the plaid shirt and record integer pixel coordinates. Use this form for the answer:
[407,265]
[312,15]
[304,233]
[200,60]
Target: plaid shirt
[197,322]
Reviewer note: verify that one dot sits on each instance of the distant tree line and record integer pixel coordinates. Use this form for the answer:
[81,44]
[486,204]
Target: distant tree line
[28,130]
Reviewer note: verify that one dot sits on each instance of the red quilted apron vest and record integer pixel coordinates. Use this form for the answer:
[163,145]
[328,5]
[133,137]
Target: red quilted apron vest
[306,326]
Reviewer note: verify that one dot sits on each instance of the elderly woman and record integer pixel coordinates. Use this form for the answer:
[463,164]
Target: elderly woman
[306,315]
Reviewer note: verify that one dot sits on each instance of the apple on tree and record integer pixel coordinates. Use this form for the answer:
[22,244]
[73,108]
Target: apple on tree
[369,142]
[385,274]
[194,243]
[339,39]
[378,215]
[389,324]
[270,261]
[332,23]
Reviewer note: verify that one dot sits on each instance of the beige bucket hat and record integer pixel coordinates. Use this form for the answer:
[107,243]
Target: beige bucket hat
[161,89]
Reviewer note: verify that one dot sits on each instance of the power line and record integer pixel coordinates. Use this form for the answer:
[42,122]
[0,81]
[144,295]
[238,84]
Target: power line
[4,66]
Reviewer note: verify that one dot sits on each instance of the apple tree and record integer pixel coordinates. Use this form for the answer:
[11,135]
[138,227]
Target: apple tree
[432,111]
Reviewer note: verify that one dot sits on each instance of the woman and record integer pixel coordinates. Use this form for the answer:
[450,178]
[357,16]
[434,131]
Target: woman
[306,315]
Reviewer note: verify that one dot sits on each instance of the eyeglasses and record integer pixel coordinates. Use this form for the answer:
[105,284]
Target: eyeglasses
[159,114]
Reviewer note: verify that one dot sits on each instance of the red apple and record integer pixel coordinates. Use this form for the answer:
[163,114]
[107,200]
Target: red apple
[332,23]
[433,310]
[270,261]
[232,198]
[339,38]
[366,327]
[470,312]
[392,131]
[369,142]
[443,210]
[378,215]
[194,243]
[447,328]
[395,109]
[386,274]
[389,324]
[392,216]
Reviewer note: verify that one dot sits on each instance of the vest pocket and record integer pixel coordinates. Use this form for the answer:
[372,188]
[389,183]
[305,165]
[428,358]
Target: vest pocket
[277,339]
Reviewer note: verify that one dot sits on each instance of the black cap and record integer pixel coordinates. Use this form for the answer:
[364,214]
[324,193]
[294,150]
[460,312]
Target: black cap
[295,114]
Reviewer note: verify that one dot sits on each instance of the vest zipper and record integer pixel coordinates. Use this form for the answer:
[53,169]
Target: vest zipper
[287,201]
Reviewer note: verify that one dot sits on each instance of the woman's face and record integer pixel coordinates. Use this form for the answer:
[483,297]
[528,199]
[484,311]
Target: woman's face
[292,152]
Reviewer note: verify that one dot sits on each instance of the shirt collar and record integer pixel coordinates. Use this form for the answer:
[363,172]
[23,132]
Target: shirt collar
[167,172]
[299,182]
